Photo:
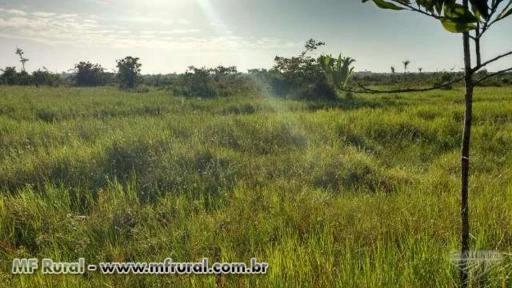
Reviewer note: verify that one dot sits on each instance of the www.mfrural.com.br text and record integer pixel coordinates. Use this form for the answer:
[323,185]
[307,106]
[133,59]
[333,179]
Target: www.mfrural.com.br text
[168,266]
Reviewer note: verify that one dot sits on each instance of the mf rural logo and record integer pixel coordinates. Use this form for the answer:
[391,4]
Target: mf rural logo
[481,263]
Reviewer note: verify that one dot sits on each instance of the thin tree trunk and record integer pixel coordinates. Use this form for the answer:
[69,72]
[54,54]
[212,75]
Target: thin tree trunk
[464,207]
[477,45]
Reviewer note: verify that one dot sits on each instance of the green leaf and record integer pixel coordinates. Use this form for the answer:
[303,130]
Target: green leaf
[480,7]
[458,14]
[386,5]
[439,6]
[455,27]
[427,4]
[457,19]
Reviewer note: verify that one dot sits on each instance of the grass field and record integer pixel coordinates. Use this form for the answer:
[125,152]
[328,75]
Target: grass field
[356,193]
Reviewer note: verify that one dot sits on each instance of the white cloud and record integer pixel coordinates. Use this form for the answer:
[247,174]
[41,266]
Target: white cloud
[66,16]
[43,14]
[72,29]
[178,31]
[14,12]
[154,20]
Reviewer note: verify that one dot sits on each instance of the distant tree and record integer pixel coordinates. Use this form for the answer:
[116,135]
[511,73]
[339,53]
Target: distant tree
[212,82]
[301,76]
[420,69]
[88,74]
[23,60]
[23,78]
[128,72]
[406,64]
[301,69]
[222,72]
[198,83]
[311,45]
[45,77]
[159,80]
[9,76]
[392,69]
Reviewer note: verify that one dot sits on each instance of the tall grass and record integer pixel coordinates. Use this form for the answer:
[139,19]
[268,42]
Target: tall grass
[353,193]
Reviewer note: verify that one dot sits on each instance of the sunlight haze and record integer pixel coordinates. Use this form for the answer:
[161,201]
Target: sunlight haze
[168,36]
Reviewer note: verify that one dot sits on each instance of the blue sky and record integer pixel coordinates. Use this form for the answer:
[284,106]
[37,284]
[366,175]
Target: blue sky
[169,35]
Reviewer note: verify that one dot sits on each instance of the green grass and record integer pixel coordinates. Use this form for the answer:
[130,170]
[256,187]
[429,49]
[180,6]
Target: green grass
[357,193]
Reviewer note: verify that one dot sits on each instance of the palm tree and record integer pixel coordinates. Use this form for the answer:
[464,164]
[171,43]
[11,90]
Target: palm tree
[23,60]
[338,71]
[406,63]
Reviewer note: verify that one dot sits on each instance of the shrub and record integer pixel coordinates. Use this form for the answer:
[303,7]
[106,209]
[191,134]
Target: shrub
[9,76]
[39,77]
[44,77]
[88,74]
[211,82]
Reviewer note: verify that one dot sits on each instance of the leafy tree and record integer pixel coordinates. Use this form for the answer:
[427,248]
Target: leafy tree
[301,76]
[257,71]
[88,74]
[210,82]
[128,72]
[472,18]
[23,78]
[9,76]
[44,77]
[228,81]
[300,69]
[392,69]
[222,72]
[198,83]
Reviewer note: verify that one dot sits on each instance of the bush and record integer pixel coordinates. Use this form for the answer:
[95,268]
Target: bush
[9,76]
[23,78]
[43,77]
[39,77]
[197,83]
[88,74]
[211,82]
[279,86]
[320,90]
[159,80]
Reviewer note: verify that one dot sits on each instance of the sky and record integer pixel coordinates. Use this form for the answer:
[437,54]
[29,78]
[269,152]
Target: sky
[170,35]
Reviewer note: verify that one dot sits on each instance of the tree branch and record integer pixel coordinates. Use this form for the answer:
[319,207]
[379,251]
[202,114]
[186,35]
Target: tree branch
[477,45]
[366,90]
[501,72]
[414,9]
[482,65]
[494,9]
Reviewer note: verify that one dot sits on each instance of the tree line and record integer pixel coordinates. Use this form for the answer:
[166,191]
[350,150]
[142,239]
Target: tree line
[304,76]
[84,74]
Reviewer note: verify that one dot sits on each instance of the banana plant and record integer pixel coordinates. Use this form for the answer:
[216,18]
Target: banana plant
[338,71]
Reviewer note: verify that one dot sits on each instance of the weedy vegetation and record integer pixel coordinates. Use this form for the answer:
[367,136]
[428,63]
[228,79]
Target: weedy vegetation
[359,192]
